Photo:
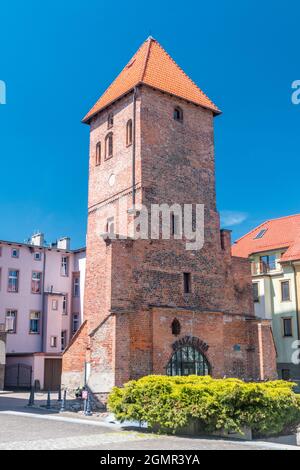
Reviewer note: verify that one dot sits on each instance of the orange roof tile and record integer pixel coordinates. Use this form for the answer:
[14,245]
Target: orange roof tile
[152,66]
[280,233]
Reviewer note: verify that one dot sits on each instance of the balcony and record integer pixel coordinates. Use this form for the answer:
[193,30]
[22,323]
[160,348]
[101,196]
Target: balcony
[258,268]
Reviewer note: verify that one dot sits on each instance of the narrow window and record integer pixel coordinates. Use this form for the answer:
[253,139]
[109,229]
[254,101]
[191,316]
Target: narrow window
[76,286]
[37,256]
[15,253]
[63,340]
[110,226]
[65,305]
[64,269]
[11,321]
[53,341]
[108,146]
[176,327]
[34,326]
[54,305]
[187,283]
[178,114]
[75,322]
[255,292]
[285,291]
[110,120]
[129,132]
[13,281]
[36,282]
[98,153]
[287,327]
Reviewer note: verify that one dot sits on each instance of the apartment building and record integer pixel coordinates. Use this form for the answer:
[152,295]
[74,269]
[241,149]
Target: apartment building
[41,305]
[274,250]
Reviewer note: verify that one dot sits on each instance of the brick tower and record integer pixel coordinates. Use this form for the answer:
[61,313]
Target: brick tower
[151,305]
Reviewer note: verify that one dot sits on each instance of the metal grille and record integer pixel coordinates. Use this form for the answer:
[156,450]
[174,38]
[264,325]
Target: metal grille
[188,361]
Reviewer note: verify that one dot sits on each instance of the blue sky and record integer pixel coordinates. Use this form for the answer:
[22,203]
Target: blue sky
[57,57]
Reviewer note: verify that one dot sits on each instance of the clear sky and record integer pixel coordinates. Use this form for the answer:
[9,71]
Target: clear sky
[56,58]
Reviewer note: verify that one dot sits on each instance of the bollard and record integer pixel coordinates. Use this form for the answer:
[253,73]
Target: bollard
[59,394]
[64,402]
[88,410]
[48,406]
[31,397]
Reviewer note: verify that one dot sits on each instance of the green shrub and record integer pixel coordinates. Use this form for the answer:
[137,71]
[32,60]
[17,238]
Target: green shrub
[172,403]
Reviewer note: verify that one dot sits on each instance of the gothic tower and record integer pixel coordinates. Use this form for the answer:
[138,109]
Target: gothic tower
[152,305]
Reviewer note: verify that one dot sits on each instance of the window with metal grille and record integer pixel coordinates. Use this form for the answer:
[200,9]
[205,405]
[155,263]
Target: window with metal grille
[188,361]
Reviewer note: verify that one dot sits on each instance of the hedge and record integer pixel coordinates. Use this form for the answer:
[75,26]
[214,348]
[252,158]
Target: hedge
[171,403]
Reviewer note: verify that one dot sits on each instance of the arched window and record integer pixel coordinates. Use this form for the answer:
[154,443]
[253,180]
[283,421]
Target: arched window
[109,146]
[98,153]
[176,327]
[178,114]
[188,361]
[110,120]
[129,132]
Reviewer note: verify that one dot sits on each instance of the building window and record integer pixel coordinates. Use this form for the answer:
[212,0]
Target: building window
[109,146]
[65,305]
[15,253]
[63,340]
[98,153]
[54,305]
[178,114]
[13,281]
[36,282]
[110,120]
[285,291]
[53,341]
[11,321]
[76,286]
[188,361]
[64,270]
[129,132]
[260,234]
[255,291]
[110,226]
[176,327]
[34,326]
[187,283]
[268,263]
[75,322]
[287,327]
[37,256]
[285,374]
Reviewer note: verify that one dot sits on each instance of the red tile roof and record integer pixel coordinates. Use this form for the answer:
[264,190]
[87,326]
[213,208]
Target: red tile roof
[152,66]
[280,233]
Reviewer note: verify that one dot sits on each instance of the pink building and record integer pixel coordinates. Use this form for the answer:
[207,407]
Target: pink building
[41,305]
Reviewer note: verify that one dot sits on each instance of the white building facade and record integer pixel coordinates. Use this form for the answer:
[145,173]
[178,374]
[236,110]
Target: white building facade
[41,305]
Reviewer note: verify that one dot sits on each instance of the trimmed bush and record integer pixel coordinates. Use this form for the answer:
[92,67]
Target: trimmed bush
[171,403]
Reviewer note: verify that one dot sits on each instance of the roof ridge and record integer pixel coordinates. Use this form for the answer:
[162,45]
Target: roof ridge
[150,39]
[186,75]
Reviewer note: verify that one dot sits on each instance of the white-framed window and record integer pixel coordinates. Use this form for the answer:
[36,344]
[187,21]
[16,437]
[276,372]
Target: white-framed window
[255,292]
[64,269]
[75,322]
[34,323]
[76,286]
[13,280]
[63,340]
[53,341]
[37,256]
[54,304]
[285,291]
[11,321]
[65,304]
[15,253]
[36,282]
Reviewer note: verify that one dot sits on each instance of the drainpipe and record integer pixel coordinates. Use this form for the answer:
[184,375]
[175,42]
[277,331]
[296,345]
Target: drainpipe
[43,301]
[133,146]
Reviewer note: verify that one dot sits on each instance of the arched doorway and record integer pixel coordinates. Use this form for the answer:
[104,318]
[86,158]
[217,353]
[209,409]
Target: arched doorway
[188,360]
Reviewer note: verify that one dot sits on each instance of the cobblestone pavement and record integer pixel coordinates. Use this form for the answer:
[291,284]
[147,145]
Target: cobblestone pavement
[27,429]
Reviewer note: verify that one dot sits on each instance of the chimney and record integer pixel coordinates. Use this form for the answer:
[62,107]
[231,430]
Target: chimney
[63,243]
[37,239]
